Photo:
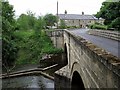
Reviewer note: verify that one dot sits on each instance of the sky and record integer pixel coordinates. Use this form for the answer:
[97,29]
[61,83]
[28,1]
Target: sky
[42,7]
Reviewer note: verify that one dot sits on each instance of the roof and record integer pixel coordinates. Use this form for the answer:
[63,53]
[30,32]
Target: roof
[76,16]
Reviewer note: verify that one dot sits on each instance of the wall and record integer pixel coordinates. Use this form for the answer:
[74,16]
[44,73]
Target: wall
[79,23]
[115,35]
[56,37]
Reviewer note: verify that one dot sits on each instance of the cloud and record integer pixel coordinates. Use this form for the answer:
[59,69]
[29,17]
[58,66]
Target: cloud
[50,6]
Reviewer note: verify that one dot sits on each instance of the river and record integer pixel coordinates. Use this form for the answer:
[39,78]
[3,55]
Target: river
[29,82]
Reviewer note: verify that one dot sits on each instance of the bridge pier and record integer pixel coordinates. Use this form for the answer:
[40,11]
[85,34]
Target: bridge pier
[62,79]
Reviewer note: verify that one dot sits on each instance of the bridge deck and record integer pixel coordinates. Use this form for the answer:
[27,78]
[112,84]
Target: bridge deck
[109,45]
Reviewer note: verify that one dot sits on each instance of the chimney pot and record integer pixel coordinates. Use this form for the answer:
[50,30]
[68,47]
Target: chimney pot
[82,13]
[65,12]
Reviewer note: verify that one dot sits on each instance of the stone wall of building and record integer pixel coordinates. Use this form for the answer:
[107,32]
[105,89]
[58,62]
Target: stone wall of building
[79,23]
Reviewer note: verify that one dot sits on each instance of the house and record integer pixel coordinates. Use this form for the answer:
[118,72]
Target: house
[78,20]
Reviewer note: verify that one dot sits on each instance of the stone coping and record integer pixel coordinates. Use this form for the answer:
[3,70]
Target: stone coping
[115,35]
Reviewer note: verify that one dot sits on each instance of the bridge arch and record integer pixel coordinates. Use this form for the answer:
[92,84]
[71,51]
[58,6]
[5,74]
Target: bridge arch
[77,83]
[65,53]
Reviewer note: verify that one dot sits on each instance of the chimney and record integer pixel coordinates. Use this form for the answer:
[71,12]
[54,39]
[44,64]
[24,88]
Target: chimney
[82,13]
[57,8]
[65,12]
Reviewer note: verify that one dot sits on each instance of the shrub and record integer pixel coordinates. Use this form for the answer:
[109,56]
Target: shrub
[95,26]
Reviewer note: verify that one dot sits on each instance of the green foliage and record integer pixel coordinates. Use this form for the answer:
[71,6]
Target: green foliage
[22,22]
[9,50]
[50,20]
[116,23]
[98,26]
[26,22]
[62,24]
[110,11]
[29,21]
[23,39]
[8,11]
[40,24]
[32,47]
[72,27]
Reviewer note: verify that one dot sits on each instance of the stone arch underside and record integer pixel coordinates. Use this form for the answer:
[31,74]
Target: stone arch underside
[77,83]
[76,79]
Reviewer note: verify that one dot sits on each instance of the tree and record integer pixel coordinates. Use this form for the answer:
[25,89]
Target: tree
[116,23]
[22,22]
[31,19]
[50,20]
[39,24]
[109,11]
[9,50]
[62,24]
[26,21]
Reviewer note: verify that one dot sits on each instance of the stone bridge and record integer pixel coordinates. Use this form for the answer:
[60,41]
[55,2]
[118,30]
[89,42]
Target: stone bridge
[88,66]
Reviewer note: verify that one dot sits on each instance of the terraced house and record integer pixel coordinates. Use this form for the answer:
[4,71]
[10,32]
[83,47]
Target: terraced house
[79,20]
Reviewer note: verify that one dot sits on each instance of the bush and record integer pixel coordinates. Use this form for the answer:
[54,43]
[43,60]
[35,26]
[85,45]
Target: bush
[32,47]
[95,26]
[72,27]
[116,23]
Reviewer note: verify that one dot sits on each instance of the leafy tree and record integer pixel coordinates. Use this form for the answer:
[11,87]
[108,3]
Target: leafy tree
[62,24]
[31,19]
[116,23]
[50,20]
[26,21]
[39,24]
[9,50]
[22,22]
[109,11]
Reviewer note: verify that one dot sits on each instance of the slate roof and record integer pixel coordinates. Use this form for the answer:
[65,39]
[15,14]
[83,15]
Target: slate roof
[76,16]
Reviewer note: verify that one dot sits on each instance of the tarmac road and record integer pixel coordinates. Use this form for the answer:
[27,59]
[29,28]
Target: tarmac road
[109,45]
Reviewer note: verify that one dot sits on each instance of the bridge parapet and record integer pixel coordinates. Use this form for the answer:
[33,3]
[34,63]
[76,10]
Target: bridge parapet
[115,35]
[57,37]
[97,50]
[55,33]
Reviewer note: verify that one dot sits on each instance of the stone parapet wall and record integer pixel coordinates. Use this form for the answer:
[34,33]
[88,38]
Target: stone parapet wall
[55,32]
[57,37]
[115,35]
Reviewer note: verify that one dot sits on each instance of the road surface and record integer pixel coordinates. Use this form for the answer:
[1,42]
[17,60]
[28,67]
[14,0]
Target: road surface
[109,45]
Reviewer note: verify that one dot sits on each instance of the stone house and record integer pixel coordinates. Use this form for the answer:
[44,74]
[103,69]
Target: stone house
[78,20]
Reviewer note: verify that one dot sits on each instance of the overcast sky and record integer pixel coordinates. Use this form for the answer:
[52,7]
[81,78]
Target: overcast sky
[42,7]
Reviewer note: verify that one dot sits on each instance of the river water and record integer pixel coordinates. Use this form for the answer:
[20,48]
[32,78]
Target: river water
[29,82]
[34,82]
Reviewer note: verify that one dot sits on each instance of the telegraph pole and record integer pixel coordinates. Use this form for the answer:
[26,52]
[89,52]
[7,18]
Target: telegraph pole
[57,14]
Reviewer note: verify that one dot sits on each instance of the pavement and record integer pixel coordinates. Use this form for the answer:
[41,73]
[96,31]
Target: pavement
[109,45]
